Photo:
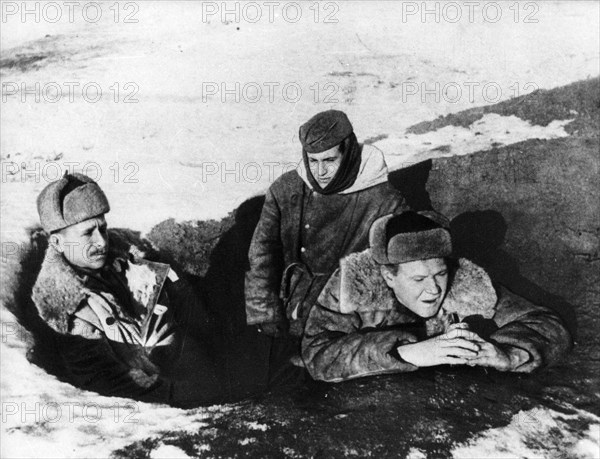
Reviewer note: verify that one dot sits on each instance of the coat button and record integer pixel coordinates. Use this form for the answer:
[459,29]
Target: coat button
[110,321]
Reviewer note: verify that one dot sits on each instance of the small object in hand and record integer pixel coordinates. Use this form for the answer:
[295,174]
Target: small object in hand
[173,277]
[160,309]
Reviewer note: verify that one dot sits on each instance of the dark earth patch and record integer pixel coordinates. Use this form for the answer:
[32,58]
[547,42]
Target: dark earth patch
[22,62]
[578,100]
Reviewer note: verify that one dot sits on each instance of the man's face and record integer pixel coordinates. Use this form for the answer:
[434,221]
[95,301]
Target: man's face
[84,244]
[324,165]
[420,285]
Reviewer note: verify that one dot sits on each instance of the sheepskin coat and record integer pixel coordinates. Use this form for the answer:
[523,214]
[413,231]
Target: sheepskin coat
[111,309]
[301,236]
[114,303]
[357,322]
[185,358]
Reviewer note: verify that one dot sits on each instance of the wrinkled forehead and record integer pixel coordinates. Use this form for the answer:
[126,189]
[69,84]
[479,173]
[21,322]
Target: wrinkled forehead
[426,267]
[86,225]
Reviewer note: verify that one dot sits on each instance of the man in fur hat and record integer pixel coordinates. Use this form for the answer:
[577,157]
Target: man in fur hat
[312,217]
[123,325]
[404,304]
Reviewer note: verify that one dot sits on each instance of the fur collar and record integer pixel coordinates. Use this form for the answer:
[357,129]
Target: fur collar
[373,171]
[363,288]
[59,289]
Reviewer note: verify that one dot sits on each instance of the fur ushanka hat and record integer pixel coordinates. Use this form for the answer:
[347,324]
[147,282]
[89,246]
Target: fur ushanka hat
[409,236]
[71,200]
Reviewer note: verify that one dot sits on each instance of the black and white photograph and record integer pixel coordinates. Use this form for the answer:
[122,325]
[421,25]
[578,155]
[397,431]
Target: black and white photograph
[300,229]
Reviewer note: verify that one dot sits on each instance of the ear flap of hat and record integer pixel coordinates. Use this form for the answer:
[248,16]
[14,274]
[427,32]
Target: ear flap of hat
[377,239]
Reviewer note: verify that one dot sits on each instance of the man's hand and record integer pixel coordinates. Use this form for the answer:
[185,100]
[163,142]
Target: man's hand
[501,358]
[455,347]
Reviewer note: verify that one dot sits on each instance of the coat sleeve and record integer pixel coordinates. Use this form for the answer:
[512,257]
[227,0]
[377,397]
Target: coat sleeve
[535,329]
[336,348]
[263,280]
[91,364]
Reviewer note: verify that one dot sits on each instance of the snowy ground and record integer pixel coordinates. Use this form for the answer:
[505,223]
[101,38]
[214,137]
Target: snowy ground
[187,149]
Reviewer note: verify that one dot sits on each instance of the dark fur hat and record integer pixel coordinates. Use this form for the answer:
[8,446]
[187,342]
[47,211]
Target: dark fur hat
[408,237]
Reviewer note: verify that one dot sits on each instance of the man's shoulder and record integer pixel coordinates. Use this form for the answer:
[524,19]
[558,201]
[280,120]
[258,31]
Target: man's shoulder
[289,181]
[362,287]
[383,193]
[471,292]
[57,292]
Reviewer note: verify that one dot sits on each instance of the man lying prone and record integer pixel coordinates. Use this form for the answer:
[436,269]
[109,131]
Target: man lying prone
[404,303]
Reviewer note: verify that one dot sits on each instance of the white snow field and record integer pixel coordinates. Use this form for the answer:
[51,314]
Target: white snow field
[198,113]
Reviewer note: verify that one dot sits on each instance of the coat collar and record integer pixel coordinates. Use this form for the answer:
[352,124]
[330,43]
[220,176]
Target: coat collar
[362,287]
[373,171]
[60,289]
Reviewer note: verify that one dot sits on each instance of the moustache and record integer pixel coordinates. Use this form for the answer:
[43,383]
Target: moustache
[97,252]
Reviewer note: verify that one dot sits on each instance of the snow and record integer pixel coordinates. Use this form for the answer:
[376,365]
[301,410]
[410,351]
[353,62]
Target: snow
[589,446]
[194,156]
[180,152]
[492,130]
[247,441]
[535,433]
[43,417]
[257,426]
[415,453]
[168,452]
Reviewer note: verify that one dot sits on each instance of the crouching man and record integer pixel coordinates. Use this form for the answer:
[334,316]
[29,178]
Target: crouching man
[404,304]
[126,326]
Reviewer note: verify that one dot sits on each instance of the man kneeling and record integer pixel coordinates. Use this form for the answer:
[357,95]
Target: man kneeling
[404,304]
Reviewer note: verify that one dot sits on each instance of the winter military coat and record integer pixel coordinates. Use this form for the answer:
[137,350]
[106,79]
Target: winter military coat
[357,322]
[129,332]
[302,235]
